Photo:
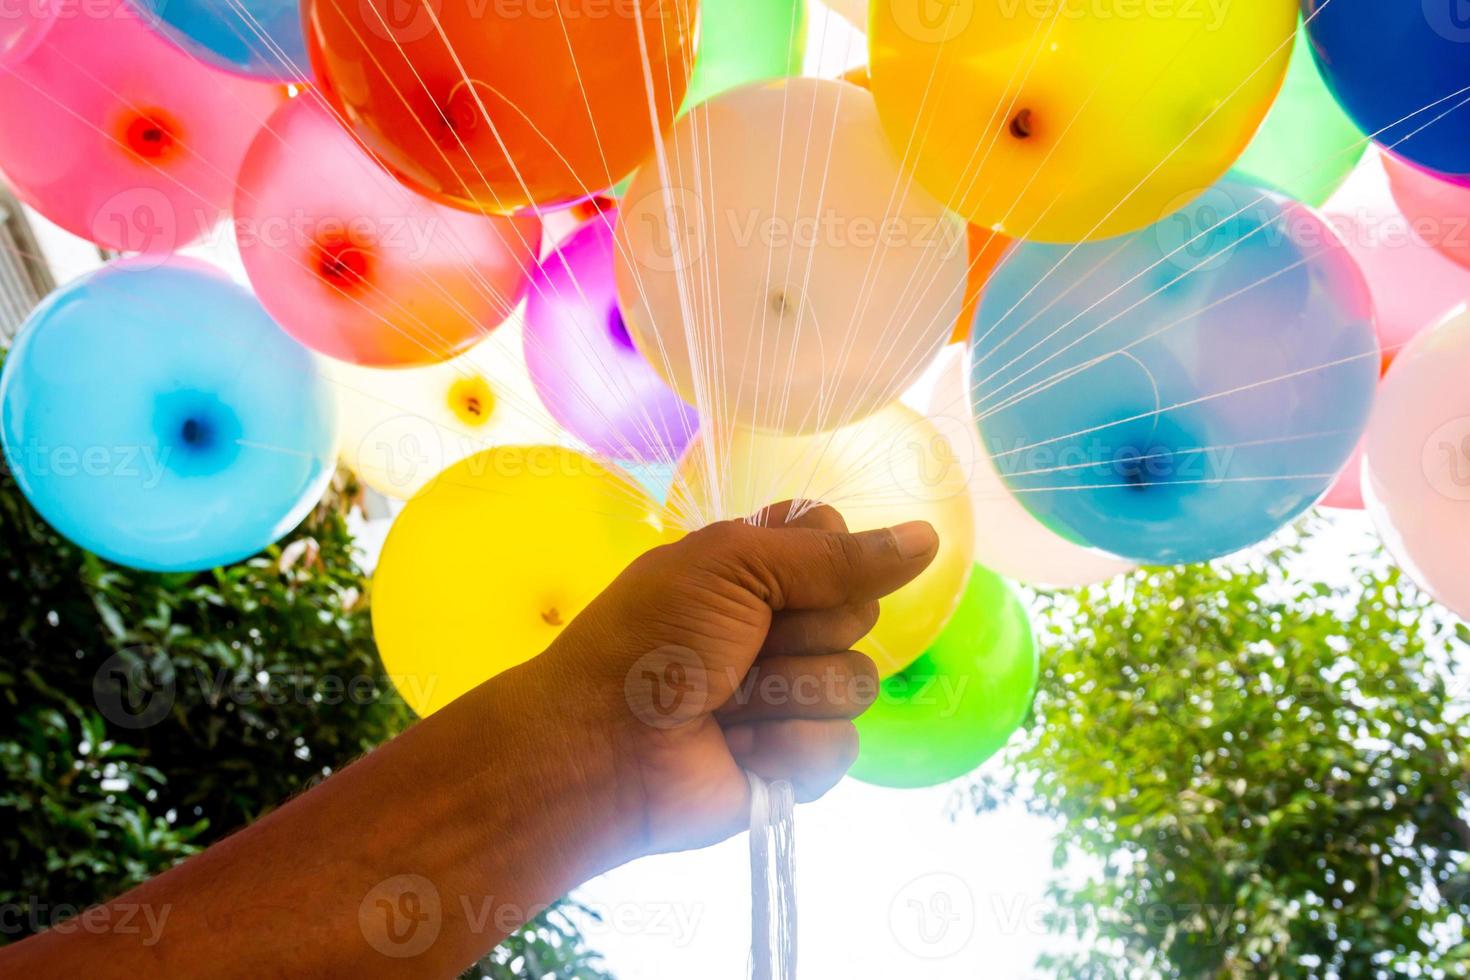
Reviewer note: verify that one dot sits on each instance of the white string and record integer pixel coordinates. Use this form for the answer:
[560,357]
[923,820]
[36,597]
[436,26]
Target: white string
[772,879]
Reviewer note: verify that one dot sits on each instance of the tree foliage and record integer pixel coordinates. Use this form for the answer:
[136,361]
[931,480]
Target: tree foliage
[1268,772]
[145,716]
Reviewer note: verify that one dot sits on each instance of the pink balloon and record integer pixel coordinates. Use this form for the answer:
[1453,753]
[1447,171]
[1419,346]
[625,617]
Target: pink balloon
[1416,473]
[113,133]
[360,268]
[1438,208]
[1414,285]
[1347,492]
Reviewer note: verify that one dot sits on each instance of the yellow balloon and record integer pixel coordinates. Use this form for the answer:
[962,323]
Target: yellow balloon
[1066,120]
[484,567]
[401,427]
[889,468]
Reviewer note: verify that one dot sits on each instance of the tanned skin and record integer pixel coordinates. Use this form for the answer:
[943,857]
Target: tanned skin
[727,651]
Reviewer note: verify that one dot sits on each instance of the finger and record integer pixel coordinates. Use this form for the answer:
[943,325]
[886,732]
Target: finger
[805,631]
[801,568]
[831,687]
[809,514]
[812,755]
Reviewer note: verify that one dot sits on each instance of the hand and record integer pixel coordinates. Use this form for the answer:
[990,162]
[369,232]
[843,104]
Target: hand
[723,652]
[729,651]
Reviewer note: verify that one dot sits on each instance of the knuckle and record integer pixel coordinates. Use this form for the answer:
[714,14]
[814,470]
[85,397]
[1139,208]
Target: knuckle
[865,616]
[864,682]
[825,517]
[844,553]
[722,537]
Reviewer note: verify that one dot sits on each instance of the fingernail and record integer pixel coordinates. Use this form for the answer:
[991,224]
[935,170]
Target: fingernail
[914,539]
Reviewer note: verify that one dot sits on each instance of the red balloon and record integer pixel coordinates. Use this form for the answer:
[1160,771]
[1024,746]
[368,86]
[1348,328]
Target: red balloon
[358,267]
[503,105]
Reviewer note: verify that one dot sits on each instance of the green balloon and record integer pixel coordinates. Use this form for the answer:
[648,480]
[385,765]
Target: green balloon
[956,705]
[1307,145]
[742,41]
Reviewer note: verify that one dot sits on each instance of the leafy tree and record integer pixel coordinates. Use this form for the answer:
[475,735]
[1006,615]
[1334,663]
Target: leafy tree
[1268,771]
[144,716]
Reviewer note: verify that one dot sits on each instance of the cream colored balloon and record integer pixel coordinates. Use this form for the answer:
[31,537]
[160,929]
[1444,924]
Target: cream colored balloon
[890,468]
[1008,539]
[786,276]
[855,12]
[402,427]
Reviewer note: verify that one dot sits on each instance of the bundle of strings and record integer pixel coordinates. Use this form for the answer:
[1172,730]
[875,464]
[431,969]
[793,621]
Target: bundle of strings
[772,879]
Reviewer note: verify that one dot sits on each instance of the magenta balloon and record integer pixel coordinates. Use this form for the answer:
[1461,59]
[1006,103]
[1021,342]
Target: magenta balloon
[114,134]
[583,363]
[356,266]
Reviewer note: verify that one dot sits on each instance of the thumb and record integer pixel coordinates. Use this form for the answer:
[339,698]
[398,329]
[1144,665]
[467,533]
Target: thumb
[804,568]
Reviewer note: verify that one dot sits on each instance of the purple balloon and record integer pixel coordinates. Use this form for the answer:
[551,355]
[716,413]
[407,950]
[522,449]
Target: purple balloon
[583,363]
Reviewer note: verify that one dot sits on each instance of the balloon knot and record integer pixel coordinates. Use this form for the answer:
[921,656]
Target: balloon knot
[340,261]
[150,135]
[1021,126]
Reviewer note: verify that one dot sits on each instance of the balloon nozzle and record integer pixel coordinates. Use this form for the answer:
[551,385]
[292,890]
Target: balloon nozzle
[1021,125]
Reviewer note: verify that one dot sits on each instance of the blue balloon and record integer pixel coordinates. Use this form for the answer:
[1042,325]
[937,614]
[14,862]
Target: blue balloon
[1179,393]
[260,38]
[157,416]
[1401,70]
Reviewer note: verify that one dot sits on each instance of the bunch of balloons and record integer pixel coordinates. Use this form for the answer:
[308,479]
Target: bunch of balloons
[1051,278]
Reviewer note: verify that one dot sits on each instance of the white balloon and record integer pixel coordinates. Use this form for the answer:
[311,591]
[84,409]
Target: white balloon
[401,427]
[787,275]
[1416,463]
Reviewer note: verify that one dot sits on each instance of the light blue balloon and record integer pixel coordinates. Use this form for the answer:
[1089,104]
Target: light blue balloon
[657,478]
[259,38]
[1179,393]
[157,416]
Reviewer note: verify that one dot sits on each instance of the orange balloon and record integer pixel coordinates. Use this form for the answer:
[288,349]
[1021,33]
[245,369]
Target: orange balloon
[985,250]
[493,109]
[859,76]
